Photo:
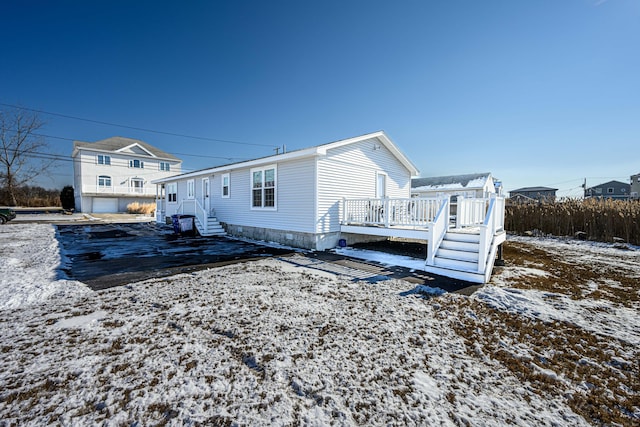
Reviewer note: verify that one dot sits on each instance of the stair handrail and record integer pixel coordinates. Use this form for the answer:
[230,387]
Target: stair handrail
[437,230]
[487,231]
[198,211]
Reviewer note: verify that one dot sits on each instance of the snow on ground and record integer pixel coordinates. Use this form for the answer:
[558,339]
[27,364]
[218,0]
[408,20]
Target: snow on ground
[31,267]
[260,343]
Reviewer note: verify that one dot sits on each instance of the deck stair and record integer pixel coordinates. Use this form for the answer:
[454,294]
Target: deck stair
[213,227]
[461,246]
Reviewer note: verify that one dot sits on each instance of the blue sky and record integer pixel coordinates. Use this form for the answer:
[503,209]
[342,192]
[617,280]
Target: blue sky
[538,92]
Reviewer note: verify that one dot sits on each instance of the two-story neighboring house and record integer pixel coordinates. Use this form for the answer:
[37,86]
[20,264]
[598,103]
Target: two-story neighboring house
[111,173]
[635,187]
[615,190]
[533,194]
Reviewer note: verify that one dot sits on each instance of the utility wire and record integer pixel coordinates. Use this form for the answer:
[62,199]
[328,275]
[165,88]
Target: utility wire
[231,159]
[201,138]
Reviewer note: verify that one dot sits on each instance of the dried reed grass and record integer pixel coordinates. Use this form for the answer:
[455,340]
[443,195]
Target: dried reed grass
[599,220]
[141,208]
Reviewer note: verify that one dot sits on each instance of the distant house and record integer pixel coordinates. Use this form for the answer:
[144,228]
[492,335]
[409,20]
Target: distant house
[533,194]
[111,173]
[634,192]
[478,185]
[615,190]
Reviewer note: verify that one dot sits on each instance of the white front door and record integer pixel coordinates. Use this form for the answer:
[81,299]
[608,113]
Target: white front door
[381,186]
[206,200]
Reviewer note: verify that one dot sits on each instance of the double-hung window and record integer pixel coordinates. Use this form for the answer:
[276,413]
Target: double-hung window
[225,185]
[165,166]
[172,192]
[263,188]
[103,159]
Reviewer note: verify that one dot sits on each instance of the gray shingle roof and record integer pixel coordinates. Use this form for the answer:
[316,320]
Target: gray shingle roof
[532,189]
[117,142]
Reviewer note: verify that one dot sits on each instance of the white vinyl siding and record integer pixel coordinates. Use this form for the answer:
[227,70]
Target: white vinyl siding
[351,171]
[295,181]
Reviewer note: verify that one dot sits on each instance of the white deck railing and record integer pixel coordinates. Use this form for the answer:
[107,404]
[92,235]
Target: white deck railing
[493,222]
[416,212]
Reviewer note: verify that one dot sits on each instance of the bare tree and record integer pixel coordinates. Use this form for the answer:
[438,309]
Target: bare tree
[21,150]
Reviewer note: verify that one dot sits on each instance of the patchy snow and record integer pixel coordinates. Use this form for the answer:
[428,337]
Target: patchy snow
[31,267]
[382,258]
[599,316]
[270,342]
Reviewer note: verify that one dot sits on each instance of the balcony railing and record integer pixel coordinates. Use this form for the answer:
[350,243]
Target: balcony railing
[119,190]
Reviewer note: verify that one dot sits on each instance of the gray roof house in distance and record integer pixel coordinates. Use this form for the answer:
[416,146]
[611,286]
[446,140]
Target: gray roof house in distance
[615,190]
[533,194]
[476,185]
[111,173]
[635,187]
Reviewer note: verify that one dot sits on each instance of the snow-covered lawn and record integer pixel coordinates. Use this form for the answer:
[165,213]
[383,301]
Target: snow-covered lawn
[272,343]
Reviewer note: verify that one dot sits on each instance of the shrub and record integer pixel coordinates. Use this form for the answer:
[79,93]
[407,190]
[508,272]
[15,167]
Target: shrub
[67,198]
[141,208]
[598,219]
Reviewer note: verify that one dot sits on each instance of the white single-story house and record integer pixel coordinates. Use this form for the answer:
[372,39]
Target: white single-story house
[356,189]
[114,172]
[293,198]
[476,185]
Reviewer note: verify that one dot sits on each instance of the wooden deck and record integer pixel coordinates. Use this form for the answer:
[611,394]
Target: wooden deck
[461,246]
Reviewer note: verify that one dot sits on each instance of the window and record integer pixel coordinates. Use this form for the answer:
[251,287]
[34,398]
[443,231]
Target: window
[263,188]
[610,190]
[191,189]
[165,166]
[225,185]
[172,192]
[624,190]
[104,181]
[137,185]
[104,159]
[136,164]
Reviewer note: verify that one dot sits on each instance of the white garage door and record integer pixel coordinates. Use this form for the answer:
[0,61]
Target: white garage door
[104,205]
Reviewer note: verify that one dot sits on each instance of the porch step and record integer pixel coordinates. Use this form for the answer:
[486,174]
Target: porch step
[468,256]
[454,245]
[460,236]
[213,228]
[456,274]
[456,264]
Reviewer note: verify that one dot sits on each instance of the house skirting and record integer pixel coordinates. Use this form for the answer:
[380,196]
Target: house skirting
[296,239]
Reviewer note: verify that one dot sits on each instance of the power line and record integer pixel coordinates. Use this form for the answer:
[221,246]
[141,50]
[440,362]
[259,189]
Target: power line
[231,159]
[201,138]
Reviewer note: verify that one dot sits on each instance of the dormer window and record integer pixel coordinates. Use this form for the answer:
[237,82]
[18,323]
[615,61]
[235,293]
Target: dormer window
[136,164]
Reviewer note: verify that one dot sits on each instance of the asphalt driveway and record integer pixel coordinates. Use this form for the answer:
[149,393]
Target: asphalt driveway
[107,255]
[104,255]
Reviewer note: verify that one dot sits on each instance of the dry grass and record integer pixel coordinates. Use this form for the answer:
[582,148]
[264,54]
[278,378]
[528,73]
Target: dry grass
[141,208]
[616,283]
[557,359]
[599,220]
